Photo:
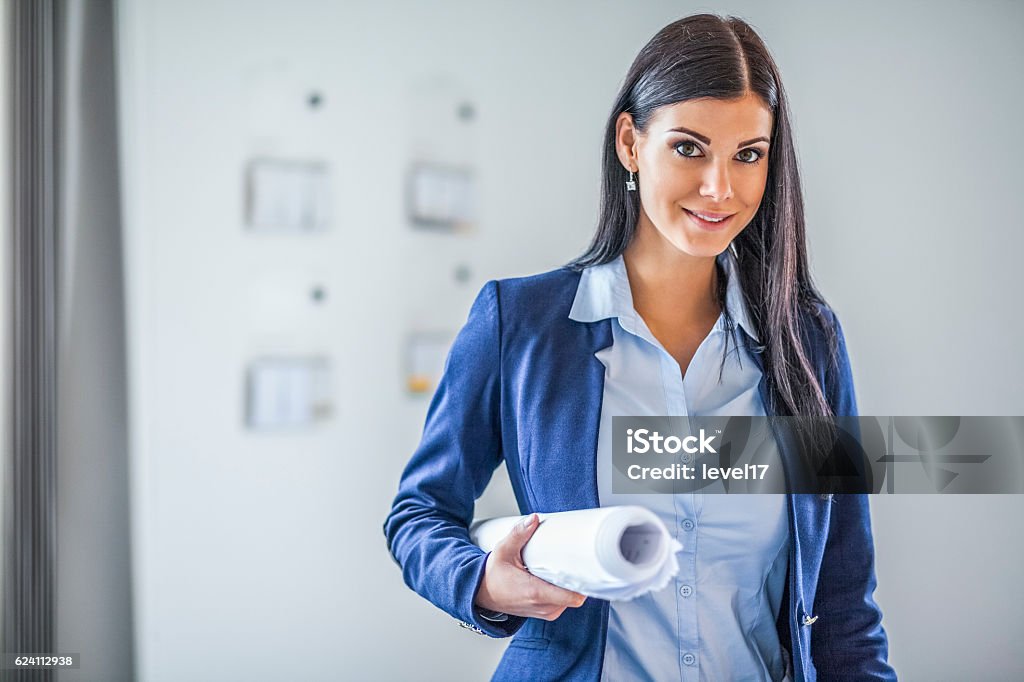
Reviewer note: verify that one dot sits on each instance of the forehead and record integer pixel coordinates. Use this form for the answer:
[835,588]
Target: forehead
[723,120]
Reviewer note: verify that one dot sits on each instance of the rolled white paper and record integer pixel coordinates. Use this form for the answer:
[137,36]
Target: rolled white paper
[614,553]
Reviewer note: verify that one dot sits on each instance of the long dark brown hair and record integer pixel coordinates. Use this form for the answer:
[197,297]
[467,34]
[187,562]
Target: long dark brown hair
[709,56]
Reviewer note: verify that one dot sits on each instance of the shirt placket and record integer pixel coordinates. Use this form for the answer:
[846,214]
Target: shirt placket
[685,529]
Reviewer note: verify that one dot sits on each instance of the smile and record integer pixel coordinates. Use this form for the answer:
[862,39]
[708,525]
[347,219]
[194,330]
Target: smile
[709,222]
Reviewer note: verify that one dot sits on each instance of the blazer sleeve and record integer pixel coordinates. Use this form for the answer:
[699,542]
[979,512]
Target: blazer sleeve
[427,528]
[849,642]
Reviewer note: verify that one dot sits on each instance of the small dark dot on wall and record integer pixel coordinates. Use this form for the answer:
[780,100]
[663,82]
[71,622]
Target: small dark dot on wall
[315,100]
[462,273]
[466,111]
[318,294]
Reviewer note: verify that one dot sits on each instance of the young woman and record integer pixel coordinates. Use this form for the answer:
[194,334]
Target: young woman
[693,299]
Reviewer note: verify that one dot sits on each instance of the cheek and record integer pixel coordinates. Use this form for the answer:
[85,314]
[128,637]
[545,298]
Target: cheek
[750,193]
[753,188]
[669,189]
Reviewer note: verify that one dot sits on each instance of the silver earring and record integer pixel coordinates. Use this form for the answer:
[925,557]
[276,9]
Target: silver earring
[631,183]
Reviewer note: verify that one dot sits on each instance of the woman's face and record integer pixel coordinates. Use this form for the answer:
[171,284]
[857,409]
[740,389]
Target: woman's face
[706,156]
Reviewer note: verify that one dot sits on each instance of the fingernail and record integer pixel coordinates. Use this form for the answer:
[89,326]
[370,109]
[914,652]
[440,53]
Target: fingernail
[525,523]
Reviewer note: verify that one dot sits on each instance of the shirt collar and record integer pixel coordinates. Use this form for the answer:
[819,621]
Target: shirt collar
[603,292]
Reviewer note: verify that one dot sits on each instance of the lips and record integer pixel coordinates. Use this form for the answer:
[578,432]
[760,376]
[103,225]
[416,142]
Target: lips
[708,224]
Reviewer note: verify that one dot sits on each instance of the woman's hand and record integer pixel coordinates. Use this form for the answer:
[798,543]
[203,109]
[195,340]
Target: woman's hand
[509,588]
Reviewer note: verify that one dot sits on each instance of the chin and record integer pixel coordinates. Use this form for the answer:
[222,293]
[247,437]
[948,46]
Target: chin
[701,248]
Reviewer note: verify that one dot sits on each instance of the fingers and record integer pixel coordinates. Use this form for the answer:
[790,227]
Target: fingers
[551,614]
[553,604]
[544,593]
[511,547]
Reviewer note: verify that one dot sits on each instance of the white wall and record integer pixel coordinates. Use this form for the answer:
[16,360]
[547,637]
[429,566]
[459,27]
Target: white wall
[261,557]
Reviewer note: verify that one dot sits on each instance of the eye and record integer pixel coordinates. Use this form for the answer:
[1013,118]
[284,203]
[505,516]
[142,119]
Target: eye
[686,145]
[757,155]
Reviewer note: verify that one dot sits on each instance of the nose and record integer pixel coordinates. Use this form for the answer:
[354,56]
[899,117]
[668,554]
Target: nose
[715,184]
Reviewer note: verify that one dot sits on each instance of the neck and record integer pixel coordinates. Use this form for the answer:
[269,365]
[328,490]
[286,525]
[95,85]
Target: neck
[662,277]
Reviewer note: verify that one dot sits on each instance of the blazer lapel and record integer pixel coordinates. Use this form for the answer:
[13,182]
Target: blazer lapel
[596,337]
[568,388]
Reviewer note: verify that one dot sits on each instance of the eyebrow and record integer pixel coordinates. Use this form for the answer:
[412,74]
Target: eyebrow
[707,140]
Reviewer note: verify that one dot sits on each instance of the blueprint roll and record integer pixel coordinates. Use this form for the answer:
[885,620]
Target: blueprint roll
[614,553]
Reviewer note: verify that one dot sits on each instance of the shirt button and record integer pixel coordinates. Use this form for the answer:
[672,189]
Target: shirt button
[686,458]
[689,659]
[687,524]
[686,590]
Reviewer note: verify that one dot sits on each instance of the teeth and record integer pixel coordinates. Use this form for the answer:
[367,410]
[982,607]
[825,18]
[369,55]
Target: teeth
[710,220]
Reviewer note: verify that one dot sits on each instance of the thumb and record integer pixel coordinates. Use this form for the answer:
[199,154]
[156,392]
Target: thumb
[511,547]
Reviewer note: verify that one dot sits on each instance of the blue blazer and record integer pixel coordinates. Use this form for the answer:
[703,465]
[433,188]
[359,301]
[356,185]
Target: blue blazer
[521,383]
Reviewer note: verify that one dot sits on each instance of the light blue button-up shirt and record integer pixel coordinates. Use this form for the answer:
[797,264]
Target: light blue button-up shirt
[716,619]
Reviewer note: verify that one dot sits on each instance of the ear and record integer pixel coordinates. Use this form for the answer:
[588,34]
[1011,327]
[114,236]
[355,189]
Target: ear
[626,141]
